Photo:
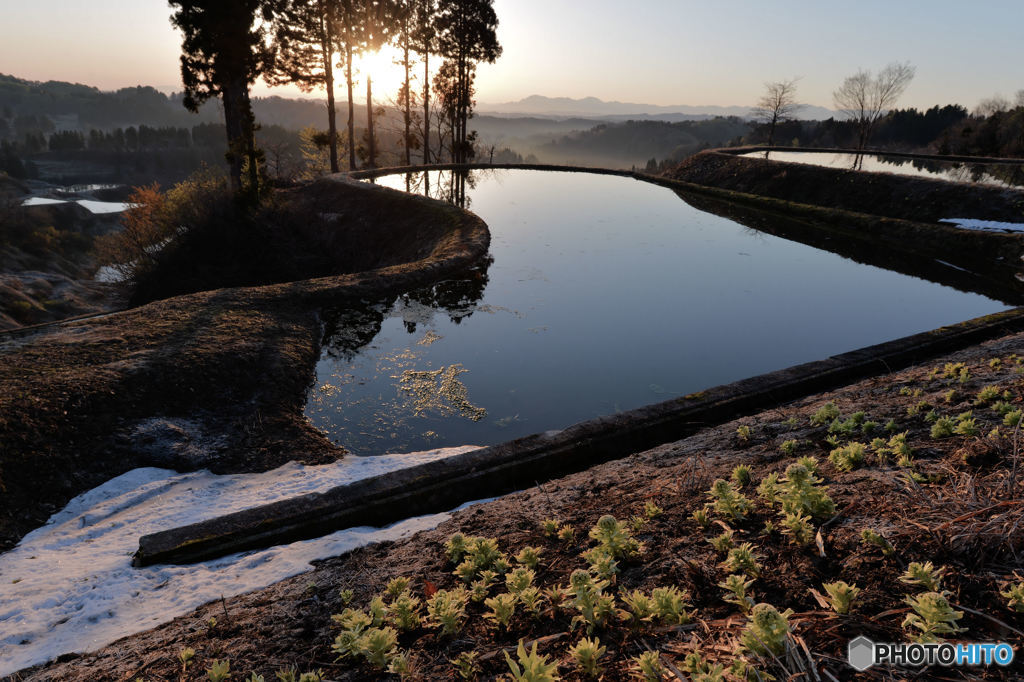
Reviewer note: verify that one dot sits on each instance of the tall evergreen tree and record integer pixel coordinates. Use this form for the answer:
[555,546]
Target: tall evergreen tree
[424,38]
[224,50]
[304,36]
[467,35]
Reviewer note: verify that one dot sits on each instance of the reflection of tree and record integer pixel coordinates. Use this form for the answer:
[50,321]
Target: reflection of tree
[349,329]
[1009,175]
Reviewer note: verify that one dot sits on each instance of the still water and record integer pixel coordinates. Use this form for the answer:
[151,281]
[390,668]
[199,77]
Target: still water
[1002,175]
[602,294]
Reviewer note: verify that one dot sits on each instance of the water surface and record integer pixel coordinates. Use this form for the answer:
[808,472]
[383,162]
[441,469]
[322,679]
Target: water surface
[604,294]
[1003,175]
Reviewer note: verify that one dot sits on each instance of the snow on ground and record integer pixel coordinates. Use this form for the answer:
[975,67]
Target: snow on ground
[984,225]
[70,586]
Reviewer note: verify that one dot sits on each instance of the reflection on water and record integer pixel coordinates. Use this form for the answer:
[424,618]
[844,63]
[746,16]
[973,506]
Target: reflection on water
[1003,175]
[604,294]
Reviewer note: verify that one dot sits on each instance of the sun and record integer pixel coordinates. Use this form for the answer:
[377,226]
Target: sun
[384,66]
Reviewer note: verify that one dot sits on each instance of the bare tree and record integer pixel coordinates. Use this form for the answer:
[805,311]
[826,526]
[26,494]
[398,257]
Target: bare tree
[1018,99]
[992,105]
[865,98]
[778,104]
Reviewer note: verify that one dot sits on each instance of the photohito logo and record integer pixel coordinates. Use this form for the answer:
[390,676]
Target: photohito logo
[863,653]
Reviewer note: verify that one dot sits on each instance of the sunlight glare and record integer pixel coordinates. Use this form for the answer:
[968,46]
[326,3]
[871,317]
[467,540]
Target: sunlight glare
[387,75]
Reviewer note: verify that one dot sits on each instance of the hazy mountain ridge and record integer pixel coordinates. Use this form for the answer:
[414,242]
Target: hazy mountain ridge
[592,107]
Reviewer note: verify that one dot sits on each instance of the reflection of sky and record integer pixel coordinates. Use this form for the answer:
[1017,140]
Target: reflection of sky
[902,166]
[607,294]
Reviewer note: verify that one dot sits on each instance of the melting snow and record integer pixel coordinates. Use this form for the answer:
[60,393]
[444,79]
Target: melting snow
[70,587]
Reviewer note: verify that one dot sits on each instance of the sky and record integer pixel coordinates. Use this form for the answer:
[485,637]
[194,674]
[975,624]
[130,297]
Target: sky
[650,51]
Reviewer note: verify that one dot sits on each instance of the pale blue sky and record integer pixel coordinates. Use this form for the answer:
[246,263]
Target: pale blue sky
[652,51]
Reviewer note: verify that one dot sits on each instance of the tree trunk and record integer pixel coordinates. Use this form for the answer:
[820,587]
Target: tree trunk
[408,104]
[371,143]
[351,110]
[332,125]
[426,108]
[238,123]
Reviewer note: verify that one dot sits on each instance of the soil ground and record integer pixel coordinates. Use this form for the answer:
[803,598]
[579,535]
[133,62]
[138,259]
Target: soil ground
[967,518]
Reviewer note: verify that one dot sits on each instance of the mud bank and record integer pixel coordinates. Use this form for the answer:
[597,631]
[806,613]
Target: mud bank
[215,379]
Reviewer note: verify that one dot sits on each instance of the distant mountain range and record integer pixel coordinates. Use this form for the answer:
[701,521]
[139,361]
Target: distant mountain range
[592,107]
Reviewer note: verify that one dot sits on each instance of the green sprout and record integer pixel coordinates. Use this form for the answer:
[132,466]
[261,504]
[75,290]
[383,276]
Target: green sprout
[700,515]
[788,447]
[741,476]
[377,646]
[652,510]
[670,605]
[529,557]
[1012,418]
[639,608]
[466,665]
[742,559]
[503,608]
[743,432]
[594,607]
[404,612]
[447,610]
[648,666]
[586,654]
[932,616]
[825,414]
[729,502]
[567,534]
[550,527]
[602,563]
[723,543]
[737,587]
[766,630]
[801,494]
[987,395]
[531,667]
[923,575]
[1014,595]
[219,671]
[798,527]
[848,457]
[768,489]
[615,538]
[456,547]
[871,537]
[841,595]
[397,586]
[942,428]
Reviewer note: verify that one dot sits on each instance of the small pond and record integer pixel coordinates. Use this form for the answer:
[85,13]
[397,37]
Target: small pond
[1002,175]
[601,294]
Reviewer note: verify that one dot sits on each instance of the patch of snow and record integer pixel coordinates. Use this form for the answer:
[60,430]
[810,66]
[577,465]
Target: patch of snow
[984,225]
[42,201]
[69,586]
[100,207]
